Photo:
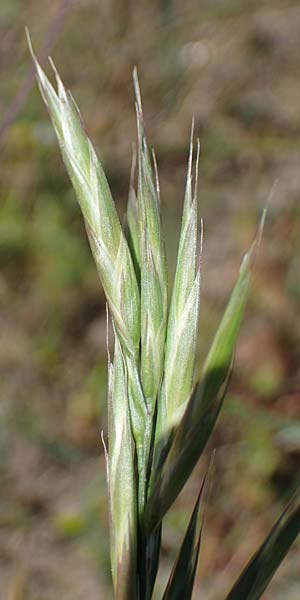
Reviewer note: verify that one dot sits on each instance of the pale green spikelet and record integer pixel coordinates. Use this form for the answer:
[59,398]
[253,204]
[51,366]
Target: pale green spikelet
[122,482]
[182,332]
[153,266]
[109,246]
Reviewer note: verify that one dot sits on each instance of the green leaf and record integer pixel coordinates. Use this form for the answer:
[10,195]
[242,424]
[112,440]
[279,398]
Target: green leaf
[186,443]
[181,582]
[149,562]
[258,573]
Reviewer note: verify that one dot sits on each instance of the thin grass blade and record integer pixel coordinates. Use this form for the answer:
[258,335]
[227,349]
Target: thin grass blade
[181,582]
[261,568]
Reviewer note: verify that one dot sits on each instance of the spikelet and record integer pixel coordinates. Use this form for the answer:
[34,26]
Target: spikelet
[152,265]
[122,482]
[182,332]
[108,243]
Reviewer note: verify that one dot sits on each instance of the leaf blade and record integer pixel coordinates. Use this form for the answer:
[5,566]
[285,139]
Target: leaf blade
[258,573]
[181,581]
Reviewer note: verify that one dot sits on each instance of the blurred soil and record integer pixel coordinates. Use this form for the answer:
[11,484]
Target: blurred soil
[234,65]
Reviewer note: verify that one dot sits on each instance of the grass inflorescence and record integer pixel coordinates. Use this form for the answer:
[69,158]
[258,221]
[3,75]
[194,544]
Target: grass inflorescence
[159,418]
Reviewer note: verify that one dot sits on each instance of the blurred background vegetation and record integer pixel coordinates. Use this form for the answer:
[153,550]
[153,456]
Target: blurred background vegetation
[234,65]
